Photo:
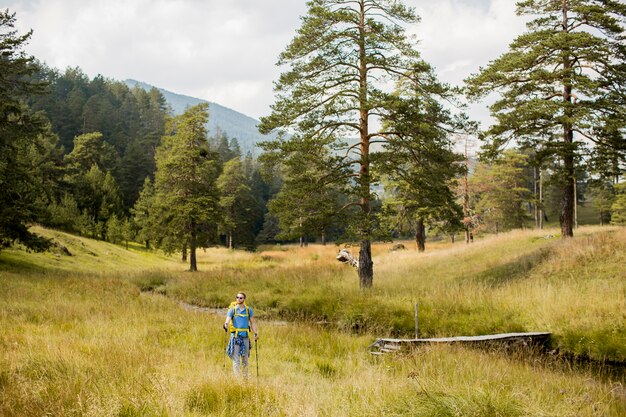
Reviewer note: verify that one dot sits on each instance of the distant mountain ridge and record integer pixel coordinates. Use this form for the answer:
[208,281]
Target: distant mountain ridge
[221,119]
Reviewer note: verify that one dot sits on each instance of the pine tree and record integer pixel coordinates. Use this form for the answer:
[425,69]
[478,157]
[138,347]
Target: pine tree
[19,129]
[501,192]
[143,214]
[618,209]
[237,205]
[308,202]
[339,61]
[88,150]
[186,202]
[603,197]
[417,158]
[560,81]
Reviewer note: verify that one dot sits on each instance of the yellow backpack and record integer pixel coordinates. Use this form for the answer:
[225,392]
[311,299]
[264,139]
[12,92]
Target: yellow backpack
[231,327]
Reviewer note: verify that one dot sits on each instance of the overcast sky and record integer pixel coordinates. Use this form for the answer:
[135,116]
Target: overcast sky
[225,50]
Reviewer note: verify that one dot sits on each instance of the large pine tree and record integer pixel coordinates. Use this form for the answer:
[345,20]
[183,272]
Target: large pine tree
[186,203]
[340,64]
[560,83]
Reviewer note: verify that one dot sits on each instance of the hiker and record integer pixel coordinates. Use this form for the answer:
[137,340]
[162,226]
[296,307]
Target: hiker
[239,321]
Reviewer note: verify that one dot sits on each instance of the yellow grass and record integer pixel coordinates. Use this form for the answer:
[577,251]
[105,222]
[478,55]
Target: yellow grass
[80,339]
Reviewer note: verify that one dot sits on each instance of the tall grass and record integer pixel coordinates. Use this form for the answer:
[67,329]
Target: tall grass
[519,281]
[87,345]
[83,339]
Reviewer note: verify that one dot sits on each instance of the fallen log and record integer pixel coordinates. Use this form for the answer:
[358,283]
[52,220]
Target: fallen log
[346,257]
[384,345]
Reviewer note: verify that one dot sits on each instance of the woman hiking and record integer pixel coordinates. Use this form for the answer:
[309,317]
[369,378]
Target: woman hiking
[239,320]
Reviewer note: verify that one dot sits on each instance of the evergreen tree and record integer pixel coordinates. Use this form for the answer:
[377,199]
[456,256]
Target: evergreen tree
[618,209]
[418,160]
[237,203]
[64,214]
[88,150]
[270,229]
[309,199]
[262,189]
[226,148]
[603,197]
[565,76]
[115,229]
[98,198]
[143,213]
[45,159]
[340,61]
[186,202]
[501,192]
[19,130]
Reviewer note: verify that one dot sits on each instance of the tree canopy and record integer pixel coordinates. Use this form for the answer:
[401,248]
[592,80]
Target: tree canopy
[21,130]
[560,84]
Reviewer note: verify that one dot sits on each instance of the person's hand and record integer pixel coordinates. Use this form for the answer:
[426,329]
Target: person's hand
[225,326]
[256,337]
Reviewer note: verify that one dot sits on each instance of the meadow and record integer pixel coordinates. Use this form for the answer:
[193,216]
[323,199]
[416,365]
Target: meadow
[103,332]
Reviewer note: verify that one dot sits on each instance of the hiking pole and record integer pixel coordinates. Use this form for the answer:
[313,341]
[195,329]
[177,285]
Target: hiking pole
[225,348]
[256,346]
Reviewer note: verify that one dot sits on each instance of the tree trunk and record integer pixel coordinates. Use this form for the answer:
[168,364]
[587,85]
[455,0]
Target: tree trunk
[452,238]
[420,235]
[468,232]
[366,266]
[323,239]
[575,203]
[536,211]
[566,217]
[229,240]
[541,209]
[193,266]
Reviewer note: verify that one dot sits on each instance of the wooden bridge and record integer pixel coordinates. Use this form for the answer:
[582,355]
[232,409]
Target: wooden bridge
[382,346]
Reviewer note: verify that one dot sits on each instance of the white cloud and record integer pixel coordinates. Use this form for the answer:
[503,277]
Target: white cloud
[225,51]
[458,37]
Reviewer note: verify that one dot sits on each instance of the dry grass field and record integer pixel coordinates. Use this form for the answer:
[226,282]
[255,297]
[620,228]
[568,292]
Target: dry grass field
[80,338]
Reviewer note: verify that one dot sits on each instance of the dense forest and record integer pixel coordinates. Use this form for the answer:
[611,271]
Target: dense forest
[98,158]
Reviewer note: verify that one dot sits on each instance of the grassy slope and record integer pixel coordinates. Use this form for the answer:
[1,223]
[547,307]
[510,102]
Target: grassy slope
[78,342]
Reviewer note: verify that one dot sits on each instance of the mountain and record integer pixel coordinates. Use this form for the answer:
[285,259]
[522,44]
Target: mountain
[221,119]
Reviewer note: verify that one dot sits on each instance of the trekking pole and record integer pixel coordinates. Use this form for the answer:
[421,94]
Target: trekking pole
[256,346]
[225,347]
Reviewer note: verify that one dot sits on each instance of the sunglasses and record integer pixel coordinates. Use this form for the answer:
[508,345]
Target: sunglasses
[240,298]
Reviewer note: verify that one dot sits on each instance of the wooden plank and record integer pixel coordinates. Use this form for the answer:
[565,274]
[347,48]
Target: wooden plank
[386,345]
